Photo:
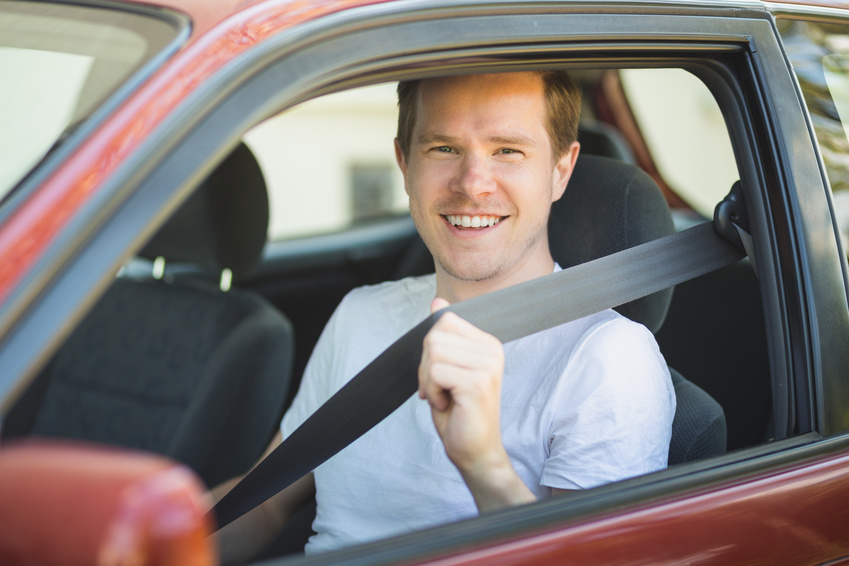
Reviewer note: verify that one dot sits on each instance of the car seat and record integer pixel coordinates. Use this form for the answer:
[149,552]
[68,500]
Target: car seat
[609,206]
[598,138]
[173,364]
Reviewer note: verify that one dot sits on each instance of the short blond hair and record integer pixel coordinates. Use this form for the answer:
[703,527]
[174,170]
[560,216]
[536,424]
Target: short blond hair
[563,110]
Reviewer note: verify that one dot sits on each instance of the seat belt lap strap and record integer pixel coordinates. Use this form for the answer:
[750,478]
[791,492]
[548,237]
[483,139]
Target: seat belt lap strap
[508,314]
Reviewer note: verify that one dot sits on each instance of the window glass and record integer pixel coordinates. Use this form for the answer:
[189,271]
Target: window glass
[58,63]
[685,133]
[329,163]
[36,112]
[819,53]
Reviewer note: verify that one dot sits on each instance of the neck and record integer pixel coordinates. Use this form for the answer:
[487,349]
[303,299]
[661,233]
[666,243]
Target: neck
[454,290]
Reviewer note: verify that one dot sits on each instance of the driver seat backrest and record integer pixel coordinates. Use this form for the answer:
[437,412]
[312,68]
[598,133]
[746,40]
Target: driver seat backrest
[175,365]
[610,206]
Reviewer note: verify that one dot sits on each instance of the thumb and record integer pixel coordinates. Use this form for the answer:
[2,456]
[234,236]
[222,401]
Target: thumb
[437,304]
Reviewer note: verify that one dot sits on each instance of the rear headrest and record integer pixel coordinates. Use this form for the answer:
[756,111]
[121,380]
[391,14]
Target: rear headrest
[223,224]
[609,206]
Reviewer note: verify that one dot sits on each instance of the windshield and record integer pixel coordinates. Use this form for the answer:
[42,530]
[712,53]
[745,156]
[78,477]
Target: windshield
[58,63]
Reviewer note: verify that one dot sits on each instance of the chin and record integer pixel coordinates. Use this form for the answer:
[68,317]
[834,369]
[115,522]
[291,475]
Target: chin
[470,270]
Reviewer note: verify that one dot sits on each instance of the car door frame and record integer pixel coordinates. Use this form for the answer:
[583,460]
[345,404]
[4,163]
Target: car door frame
[379,42]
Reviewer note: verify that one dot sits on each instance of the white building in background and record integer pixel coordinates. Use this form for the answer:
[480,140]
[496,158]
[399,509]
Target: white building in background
[338,146]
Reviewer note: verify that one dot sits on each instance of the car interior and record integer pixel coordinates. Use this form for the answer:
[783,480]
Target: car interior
[166,360]
[200,341]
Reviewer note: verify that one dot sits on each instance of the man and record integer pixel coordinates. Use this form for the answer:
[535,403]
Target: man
[483,159]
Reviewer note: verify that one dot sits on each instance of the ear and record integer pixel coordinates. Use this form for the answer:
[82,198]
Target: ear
[402,163]
[563,170]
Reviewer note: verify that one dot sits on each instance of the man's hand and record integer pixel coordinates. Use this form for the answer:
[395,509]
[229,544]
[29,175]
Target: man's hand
[460,377]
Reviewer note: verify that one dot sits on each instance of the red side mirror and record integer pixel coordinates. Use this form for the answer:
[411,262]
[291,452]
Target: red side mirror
[83,505]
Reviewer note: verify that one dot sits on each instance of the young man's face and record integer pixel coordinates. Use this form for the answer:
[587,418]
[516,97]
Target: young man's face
[481,174]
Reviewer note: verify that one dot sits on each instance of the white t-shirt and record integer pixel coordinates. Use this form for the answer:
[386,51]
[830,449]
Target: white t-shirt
[583,404]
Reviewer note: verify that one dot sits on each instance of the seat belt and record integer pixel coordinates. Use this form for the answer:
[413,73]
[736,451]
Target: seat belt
[508,314]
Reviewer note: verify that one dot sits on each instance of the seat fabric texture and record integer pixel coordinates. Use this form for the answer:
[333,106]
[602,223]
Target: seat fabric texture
[178,367]
[699,427]
[610,206]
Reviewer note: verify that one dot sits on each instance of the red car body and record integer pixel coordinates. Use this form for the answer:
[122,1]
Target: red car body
[766,506]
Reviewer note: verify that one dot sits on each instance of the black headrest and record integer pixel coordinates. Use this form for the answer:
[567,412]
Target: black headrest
[610,206]
[599,138]
[223,224]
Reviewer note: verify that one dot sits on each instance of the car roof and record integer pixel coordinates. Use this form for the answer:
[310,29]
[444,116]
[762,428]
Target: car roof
[204,14]
[814,3]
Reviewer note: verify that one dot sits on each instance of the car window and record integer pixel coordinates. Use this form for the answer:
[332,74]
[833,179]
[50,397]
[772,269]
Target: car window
[819,53]
[312,155]
[329,163]
[63,61]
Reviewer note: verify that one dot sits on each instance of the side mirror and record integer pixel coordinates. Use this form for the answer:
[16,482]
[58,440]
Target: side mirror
[75,504]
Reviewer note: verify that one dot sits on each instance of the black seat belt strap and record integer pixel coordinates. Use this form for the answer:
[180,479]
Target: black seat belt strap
[508,314]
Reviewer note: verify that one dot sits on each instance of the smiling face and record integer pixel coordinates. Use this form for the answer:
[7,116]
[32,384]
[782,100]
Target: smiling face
[481,177]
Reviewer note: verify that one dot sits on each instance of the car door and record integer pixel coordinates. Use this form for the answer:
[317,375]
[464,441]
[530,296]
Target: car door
[732,508]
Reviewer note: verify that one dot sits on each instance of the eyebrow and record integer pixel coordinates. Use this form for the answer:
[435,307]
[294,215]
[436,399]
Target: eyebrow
[434,137]
[514,139]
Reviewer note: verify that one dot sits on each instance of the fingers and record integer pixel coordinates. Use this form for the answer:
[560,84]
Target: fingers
[446,384]
[438,304]
[456,341]
[456,354]
[460,377]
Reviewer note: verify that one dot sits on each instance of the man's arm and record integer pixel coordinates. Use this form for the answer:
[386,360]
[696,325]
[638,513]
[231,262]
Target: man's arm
[245,537]
[460,376]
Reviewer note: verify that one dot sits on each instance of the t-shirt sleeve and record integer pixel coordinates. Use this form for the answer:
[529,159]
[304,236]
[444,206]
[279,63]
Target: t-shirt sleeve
[615,405]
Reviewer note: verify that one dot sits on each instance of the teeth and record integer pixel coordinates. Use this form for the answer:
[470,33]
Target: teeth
[473,221]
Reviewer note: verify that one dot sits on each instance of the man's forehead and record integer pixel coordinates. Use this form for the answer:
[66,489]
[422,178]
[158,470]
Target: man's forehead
[441,100]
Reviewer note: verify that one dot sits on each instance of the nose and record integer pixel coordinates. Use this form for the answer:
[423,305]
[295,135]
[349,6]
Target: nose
[474,177]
